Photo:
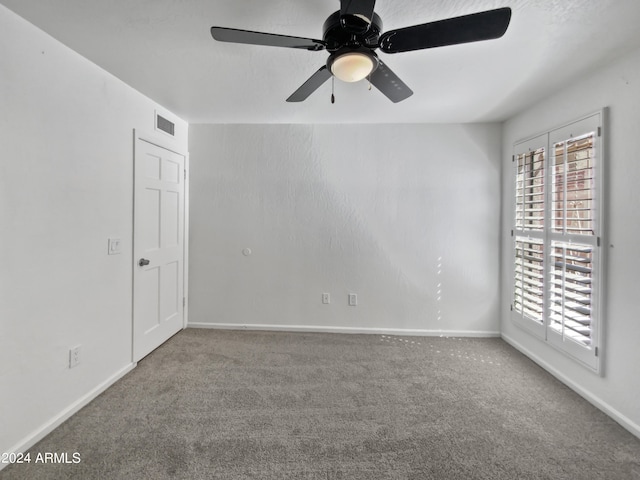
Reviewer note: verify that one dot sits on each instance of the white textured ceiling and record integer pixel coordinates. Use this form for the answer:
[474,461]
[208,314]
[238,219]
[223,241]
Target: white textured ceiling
[163,48]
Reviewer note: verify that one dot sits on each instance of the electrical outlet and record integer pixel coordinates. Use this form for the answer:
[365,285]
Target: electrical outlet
[353,299]
[74,356]
[326,298]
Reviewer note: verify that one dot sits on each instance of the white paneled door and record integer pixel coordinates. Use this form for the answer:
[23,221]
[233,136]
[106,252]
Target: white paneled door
[158,246]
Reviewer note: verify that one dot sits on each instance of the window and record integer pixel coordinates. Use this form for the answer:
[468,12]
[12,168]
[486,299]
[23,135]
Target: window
[557,278]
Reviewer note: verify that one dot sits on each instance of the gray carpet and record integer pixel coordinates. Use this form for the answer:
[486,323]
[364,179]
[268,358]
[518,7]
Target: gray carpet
[266,405]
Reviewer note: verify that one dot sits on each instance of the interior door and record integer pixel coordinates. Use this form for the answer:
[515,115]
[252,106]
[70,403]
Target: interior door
[158,246]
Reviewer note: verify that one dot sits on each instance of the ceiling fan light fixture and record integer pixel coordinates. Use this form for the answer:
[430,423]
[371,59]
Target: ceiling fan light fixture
[353,66]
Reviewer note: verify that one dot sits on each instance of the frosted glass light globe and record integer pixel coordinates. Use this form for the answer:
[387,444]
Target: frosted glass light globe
[352,67]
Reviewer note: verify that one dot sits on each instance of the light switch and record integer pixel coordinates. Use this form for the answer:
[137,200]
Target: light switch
[115,246]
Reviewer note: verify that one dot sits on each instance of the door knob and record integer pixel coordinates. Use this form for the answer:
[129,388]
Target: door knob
[143,262]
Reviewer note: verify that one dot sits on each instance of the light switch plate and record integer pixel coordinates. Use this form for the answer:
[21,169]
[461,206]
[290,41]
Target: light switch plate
[115,246]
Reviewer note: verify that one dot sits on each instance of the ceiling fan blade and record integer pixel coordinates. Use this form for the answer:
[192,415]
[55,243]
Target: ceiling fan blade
[389,83]
[452,31]
[234,35]
[311,85]
[356,15]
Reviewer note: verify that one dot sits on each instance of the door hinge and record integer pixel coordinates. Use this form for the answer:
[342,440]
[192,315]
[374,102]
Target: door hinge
[511,307]
[513,158]
[596,350]
[598,241]
[512,233]
[185,173]
[599,131]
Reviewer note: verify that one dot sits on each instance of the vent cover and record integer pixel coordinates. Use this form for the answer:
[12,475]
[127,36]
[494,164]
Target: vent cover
[165,125]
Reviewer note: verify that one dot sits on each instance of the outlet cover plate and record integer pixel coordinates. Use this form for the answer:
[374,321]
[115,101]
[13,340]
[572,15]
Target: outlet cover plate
[353,299]
[74,356]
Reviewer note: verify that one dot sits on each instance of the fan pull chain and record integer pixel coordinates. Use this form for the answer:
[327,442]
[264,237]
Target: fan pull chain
[333,97]
[369,78]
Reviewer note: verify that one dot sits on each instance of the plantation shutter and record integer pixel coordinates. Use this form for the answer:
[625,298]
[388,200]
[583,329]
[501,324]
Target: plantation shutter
[573,280]
[556,237]
[528,241]
[574,186]
[570,291]
[530,190]
[528,297]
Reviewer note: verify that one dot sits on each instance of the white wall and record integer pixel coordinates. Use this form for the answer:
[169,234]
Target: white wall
[66,185]
[406,216]
[618,87]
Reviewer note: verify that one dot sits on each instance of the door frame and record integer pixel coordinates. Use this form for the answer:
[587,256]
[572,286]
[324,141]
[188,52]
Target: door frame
[161,141]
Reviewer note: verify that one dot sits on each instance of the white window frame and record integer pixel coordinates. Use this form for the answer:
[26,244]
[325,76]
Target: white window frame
[588,356]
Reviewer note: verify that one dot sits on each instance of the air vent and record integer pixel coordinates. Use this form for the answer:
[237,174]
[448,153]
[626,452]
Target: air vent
[165,125]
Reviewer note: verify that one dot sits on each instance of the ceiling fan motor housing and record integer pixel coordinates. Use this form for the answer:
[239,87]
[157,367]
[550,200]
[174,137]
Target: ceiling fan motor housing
[337,37]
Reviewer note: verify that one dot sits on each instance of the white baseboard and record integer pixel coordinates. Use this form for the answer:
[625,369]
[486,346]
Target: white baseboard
[355,330]
[597,402]
[44,430]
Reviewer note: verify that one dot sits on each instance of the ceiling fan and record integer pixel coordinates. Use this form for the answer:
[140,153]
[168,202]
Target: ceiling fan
[351,35]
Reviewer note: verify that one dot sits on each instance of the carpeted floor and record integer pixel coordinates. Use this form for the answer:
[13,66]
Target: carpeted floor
[271,405]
